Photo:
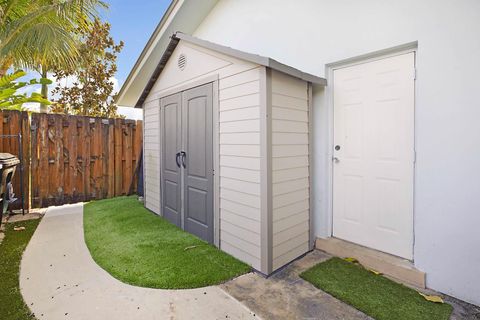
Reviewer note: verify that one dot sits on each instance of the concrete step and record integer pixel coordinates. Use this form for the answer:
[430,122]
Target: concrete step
[398,269]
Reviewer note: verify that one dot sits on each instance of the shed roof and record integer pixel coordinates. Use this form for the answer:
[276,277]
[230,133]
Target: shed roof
[254,58]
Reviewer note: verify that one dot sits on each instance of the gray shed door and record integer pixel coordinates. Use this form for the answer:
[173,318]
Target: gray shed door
[198,172]
[172,143]
[188,152]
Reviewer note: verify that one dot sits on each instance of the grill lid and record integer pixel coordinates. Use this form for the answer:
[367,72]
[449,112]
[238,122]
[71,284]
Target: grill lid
[7,159]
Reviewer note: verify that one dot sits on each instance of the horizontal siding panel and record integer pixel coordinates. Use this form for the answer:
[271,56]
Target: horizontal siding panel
[290,221]
[290,210]
[249,113]
[289,245]
[289,151]
[289,174]
[240,162]
[233,218]
[151,140]
[251,100]
[289,256]
[151,118]
[240,138]
[240,90]
[240,174]
[152,128]
[152,150]
[153,188]
[290,198]
[238,185]
[289,102]
[241,197]
[240,209]
[152,177]
[236,67]
[290,233]
[289,138]
[150,111]
[240,150]
[152,167]
[153,195]
[279,113]
[289,186]
[151,174]
[289,126]
[152,207]
[240,126]
[289,162]
[252,249]
[239,78]
[241,233]
[288,85]
[239,254]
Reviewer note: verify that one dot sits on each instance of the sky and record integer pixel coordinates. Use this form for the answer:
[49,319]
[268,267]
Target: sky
[133,22]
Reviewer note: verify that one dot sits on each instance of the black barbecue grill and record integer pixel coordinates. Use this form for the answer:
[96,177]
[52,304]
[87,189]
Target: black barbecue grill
[8,164]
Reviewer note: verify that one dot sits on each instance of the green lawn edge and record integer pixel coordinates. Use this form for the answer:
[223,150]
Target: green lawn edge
[140,248]
[12,306]
[375,295]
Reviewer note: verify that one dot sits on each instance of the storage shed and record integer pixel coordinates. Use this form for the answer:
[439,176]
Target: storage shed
[227,150]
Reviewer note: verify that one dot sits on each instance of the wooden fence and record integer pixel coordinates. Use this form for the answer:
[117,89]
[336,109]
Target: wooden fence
[74,158]
[13,123]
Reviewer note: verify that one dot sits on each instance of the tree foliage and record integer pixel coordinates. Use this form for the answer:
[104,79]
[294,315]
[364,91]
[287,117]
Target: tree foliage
[92,91]
[34,33]
[10,99]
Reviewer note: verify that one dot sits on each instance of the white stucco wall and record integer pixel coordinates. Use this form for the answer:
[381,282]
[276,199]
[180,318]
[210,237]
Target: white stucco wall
[312,33]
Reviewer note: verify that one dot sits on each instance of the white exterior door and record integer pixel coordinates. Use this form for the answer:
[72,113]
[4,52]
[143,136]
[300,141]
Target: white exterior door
[373,165]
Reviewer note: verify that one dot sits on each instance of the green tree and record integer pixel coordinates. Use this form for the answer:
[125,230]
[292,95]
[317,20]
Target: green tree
[10,99]
[92,93]
[39,34]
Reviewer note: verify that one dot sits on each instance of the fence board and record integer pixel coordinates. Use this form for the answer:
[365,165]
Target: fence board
[69,159]
[13,123]
[76,158]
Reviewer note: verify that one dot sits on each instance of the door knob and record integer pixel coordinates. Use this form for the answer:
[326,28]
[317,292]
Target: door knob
[335,159]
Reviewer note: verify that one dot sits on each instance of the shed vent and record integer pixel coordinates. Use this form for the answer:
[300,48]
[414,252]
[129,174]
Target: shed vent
[182,61]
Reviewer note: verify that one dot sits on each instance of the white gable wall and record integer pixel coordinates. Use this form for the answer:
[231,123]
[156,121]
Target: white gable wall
[447,179]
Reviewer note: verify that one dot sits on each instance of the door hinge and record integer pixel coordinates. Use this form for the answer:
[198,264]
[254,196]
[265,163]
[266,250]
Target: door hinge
[414,73]
[414,156]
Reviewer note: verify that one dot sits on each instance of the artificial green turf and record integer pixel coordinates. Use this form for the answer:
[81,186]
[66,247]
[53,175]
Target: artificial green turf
[12,306]
[142,249]
[375,295]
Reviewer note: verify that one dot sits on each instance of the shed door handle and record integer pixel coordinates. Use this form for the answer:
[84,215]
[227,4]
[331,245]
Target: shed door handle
[184,155]
[177,159]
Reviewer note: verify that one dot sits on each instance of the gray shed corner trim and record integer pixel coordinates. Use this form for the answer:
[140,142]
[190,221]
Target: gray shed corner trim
[254,58]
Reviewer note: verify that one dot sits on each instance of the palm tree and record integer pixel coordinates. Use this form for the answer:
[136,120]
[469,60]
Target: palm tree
[40,34]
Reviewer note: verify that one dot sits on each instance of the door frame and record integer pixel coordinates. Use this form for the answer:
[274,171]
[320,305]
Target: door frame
[216,147]
[329,73]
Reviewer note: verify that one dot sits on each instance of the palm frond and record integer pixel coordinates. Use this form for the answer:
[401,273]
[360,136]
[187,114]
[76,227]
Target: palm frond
[39,31]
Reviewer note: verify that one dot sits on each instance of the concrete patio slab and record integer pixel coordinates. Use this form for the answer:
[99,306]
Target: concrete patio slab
[60,280]
[285,295]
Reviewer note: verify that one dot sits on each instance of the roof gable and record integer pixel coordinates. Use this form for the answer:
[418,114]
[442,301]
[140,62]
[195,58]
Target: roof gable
[245,56]
[180,15]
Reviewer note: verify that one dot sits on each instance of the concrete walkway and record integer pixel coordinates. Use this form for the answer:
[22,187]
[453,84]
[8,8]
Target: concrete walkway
[60,280]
